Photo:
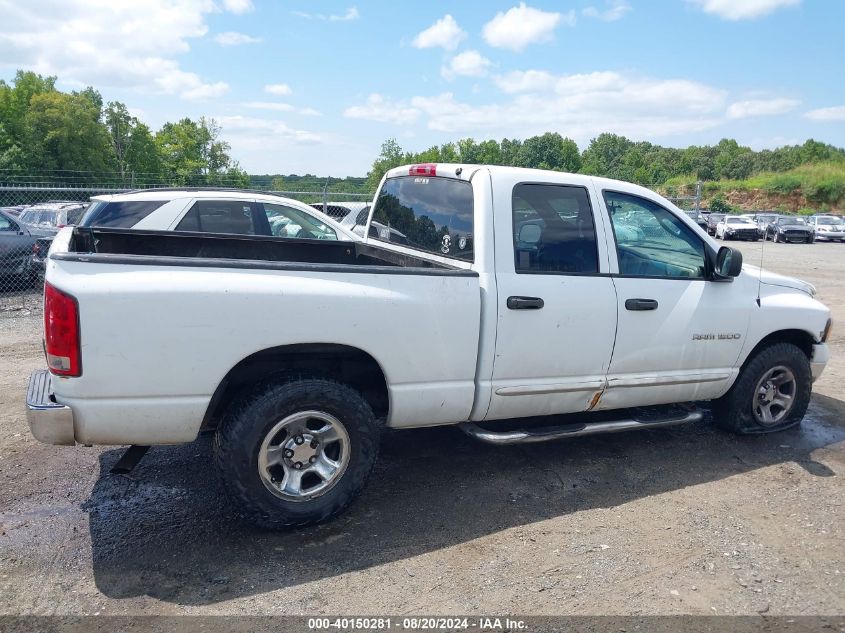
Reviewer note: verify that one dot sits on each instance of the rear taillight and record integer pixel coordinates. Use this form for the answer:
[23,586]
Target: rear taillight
[426,169]
[61,333]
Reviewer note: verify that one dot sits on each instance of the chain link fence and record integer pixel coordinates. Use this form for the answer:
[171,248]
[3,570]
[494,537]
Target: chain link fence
[30,215]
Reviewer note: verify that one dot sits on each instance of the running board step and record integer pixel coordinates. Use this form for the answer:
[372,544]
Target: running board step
[550,433]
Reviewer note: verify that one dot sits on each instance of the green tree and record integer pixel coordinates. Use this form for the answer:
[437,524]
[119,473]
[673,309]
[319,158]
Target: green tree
[549,151]
[391,156]
[605,154]
[193,153]
[63,132]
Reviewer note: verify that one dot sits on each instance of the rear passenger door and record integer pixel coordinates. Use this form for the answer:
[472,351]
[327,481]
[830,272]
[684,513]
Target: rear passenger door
[234,217]
[556,301]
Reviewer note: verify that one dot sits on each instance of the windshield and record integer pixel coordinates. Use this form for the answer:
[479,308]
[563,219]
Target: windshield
[789,220]
[738,221]
[429,213]
[831,222]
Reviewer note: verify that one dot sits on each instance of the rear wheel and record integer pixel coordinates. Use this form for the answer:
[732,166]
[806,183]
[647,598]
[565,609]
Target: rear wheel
[298,452]
[770,394]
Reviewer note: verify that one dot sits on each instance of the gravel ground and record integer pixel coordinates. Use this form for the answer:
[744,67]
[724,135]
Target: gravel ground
[686,520]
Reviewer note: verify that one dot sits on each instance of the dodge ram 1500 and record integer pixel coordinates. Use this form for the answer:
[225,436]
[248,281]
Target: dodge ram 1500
[515,294]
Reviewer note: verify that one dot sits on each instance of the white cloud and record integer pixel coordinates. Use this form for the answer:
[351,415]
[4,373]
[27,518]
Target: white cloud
[350,14]
[834,113]
[743,9]
[616,11]
[761,107]
[277,106]
[233,38]
[108,44]
[523,25]
[444,33]
[278,89]
[268,105]
[466,64]
[202,92]
[377,108]
[254,131]
[238,6]
[580,106]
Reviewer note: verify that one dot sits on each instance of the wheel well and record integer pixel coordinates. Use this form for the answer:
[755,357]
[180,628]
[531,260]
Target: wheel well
[348,365]
[801,339]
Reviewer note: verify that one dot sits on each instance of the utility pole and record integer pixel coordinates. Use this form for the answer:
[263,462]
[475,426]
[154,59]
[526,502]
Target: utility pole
[697,195]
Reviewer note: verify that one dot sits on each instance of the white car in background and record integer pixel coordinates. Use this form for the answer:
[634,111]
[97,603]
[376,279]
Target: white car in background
[736,227]
[354,215]
[227,211]
[828,227]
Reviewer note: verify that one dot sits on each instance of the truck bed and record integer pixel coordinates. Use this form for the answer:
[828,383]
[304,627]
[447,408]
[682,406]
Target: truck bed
[165,316]
[169,248]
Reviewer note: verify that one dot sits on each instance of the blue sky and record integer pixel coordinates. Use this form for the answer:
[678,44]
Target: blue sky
[317,86]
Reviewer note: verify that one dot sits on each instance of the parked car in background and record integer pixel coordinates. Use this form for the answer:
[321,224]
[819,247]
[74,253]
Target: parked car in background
[17,247]
[14,210]
[353,216]
[47,218]
[736,227]
[229,211]
[698,218]
[790,228]
[828,227]
[762,220]
[712,220]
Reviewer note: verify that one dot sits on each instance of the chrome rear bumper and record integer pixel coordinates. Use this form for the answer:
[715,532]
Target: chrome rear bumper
[49,421]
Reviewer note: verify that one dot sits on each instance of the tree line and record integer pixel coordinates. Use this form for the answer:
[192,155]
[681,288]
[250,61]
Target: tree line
[75,137]
[615,156]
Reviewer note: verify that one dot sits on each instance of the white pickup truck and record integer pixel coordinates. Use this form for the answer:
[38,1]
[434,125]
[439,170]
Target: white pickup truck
[516,294]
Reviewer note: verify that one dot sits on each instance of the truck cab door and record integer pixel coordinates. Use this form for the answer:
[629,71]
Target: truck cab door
[679,334]
[556,316]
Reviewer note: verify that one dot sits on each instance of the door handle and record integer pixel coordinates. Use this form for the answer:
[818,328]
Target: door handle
[640,304]
[525,303]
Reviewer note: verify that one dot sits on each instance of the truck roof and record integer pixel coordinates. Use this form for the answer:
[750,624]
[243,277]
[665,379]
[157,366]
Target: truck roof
[464,171]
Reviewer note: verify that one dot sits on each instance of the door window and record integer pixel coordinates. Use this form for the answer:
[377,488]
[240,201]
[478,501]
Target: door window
[553,230]
[651,241]
[289,222]
[6,224]
[219,216]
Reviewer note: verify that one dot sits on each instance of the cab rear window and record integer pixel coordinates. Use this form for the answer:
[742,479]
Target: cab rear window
[123,215]
[427,213]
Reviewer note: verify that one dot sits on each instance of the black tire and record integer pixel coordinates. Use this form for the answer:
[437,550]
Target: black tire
[734,412]
[810,240]
[240,435]
[776,238]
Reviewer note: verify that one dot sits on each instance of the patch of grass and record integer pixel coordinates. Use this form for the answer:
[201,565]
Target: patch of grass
[822,184]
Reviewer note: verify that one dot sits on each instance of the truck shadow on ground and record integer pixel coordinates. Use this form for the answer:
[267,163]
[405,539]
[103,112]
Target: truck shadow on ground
[168,532]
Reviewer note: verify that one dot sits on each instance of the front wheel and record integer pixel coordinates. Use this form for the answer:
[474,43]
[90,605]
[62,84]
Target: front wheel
[298,452]
[770,394]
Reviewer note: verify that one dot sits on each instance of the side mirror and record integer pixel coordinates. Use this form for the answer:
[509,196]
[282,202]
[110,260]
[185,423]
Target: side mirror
[728,263]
